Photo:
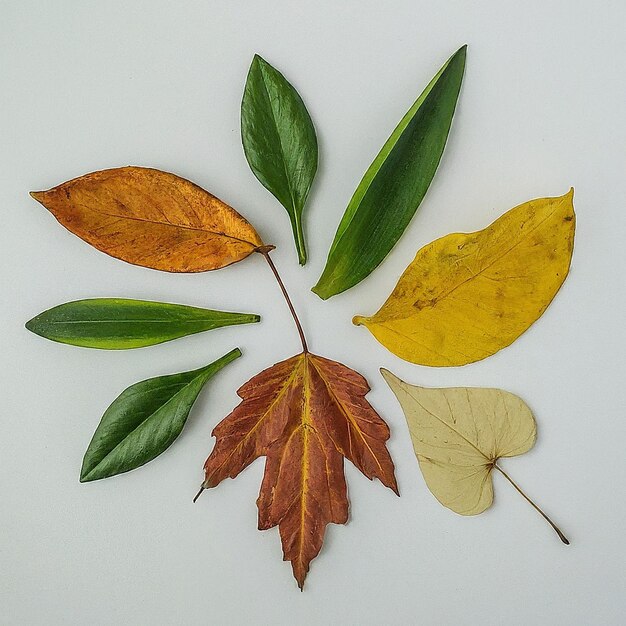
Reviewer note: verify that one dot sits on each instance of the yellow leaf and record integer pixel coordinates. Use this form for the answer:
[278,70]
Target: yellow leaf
[459,434]
[466,296]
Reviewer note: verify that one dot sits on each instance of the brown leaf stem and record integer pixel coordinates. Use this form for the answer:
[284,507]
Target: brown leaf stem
[265,251]
[198,494]
[558,531]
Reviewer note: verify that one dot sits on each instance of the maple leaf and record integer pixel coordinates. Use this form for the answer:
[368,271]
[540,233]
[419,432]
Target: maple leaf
[305,414]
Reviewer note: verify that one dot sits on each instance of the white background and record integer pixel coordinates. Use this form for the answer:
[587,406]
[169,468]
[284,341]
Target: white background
[91,85]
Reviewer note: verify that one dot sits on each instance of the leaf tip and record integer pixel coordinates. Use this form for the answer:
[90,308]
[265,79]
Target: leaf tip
[358,320]
[257,59]
[37,195]
[391,379]
[319,290]
[228,358]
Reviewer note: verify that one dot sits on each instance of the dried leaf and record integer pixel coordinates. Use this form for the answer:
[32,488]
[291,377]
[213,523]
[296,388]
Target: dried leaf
[152,218]
[304,414]
[459,434]
[121,324]
[394,185]
[279,141]
[144,420]
[466,296]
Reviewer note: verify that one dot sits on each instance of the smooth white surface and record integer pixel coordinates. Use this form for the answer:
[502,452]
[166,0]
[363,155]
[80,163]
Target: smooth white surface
[90,85]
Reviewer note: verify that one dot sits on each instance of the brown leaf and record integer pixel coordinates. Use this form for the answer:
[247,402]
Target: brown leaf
[151,218]
[304,414]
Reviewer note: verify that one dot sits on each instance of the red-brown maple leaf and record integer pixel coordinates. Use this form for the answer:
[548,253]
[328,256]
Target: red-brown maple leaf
[305,415]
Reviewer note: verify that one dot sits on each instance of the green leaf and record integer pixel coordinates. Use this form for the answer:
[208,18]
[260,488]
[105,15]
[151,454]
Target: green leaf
[118,324]
[279,141]
[145,420]
[394,185]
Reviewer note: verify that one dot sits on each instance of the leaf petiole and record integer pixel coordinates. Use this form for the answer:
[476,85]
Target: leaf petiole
[265,251]
[558,531]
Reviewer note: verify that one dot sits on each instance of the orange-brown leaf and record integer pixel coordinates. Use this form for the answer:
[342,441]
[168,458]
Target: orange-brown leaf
[304,414]
[151,218]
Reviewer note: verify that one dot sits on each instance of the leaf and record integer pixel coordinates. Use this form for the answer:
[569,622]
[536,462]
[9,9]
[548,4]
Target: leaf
[279,141]
[394,185]
[466,296]
[120,324]
[304,414]
[459,434]
[144,420]
[151,218]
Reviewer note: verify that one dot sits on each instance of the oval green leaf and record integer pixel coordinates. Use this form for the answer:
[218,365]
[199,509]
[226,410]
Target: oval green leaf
[279,141]
[394,185]
[145,420]
[120,324]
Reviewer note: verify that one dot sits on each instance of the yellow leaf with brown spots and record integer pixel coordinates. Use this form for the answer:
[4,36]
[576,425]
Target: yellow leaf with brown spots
[152,218]
[466,296]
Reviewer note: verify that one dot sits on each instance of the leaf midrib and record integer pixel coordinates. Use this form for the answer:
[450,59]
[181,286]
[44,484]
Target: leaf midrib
[280,142]
[139,321]
[206,231]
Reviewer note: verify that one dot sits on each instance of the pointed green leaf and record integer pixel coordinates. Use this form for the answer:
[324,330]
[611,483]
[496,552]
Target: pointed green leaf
[145,420]
[279,141]
[394,185]
[119,324]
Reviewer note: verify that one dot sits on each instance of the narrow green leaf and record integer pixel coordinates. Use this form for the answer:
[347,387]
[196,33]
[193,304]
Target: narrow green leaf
[279,141]
[145,420]
[394,185]
[119,324]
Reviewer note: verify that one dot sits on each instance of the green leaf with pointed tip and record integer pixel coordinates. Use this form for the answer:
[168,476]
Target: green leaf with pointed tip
[119,324]
[145,420]
[394,185]
[279,141]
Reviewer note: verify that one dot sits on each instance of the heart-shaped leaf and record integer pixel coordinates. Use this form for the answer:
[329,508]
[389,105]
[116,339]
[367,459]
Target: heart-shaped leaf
[466,296]
[144,420]
[279,141]
[459,434]
[394,185]
[120,324]
[152,218]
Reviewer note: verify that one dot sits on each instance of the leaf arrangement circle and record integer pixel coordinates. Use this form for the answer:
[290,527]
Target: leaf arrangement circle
[463,298]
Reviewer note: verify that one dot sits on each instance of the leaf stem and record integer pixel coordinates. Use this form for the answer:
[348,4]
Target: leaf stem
[558,531]
[199,493]
[298,233]
[265,251]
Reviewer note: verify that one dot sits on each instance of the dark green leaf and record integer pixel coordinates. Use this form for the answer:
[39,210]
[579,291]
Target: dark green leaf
[279,141]
[145,420]
[118,324]
[394,185]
